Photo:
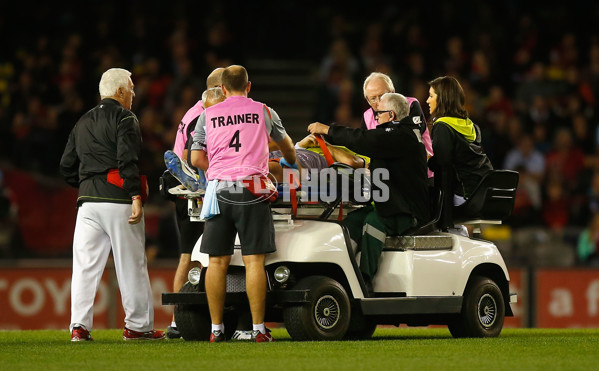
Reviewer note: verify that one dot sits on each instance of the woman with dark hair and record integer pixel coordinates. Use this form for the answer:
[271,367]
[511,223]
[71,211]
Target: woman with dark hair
[456,141]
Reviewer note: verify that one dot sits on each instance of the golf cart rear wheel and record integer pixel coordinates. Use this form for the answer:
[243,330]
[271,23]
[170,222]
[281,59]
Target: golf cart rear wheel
[325,317]
[193,321]
[483,311]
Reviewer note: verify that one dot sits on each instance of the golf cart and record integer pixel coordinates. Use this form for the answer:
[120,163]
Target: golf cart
[315,288]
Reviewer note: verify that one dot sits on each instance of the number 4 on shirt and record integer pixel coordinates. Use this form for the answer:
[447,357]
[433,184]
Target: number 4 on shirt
[234,143]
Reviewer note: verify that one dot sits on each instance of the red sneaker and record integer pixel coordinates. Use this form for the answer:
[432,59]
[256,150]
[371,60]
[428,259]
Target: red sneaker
[80,334]
[148,335]
[217,336]
[259,337]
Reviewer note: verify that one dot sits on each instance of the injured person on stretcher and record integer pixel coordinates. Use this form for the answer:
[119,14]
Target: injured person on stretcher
[312,152]
[327,183]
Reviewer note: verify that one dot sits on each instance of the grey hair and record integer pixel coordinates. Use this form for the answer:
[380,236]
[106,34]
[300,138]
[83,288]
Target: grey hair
[378,75]
[112,80]
[396,103]
[213,94]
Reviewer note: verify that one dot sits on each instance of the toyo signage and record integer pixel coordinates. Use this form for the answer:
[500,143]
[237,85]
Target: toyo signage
[41,299]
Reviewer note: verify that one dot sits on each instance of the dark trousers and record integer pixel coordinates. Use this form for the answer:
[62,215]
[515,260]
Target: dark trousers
[369,230]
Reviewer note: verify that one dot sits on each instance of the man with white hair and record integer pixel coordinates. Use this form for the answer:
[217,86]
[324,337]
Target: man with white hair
[101,159]
[377,84]
[396,149]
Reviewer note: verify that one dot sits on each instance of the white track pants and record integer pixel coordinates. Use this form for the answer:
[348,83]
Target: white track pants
[99,227]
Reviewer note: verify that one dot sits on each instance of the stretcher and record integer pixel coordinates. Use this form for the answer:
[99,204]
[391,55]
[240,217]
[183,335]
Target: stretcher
[288,205]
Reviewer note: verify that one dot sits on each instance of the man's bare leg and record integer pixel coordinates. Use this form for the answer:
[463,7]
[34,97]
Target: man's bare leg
[255,285]
[216,280]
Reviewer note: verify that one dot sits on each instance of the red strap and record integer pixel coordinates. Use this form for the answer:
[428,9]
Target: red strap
[293,196]
[325,150]
[330,161]
[294,185]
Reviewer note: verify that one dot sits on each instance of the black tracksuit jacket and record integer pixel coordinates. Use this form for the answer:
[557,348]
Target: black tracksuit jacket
[106,137]
[397,147]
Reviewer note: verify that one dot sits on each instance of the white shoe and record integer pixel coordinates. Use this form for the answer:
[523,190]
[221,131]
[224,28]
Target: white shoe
[242,335]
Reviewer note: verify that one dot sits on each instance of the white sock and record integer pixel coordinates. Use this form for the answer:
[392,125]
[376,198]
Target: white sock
[219,327]
[173,324]
[259,327]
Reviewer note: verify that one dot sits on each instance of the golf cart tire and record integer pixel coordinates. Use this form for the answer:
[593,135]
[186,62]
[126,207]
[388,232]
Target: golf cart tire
[193,321]
[483,311]
[327,314]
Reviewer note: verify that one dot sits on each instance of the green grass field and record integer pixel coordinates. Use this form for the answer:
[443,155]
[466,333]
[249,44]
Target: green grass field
[389,349]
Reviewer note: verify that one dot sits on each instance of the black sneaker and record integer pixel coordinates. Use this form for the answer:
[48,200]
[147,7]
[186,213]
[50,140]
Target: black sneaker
[217,336]
[173,333]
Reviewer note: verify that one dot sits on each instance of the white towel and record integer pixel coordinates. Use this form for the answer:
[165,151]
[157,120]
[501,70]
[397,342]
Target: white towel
[210,205]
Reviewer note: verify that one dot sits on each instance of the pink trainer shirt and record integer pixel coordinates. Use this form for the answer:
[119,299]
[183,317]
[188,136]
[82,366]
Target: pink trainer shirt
[236,139]
[181,137]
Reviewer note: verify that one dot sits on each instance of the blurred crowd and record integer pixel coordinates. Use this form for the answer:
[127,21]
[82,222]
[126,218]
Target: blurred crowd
[531,78]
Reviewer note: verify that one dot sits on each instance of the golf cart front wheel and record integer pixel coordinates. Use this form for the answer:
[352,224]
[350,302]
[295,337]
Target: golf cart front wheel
[325,317]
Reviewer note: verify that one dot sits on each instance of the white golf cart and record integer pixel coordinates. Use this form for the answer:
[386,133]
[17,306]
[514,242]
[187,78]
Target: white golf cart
[316,290]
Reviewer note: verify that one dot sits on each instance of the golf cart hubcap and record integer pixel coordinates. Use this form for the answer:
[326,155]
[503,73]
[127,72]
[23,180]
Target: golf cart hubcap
[326,312]
[487,310]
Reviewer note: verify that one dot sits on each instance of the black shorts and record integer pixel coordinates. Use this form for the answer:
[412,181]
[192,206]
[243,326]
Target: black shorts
[239,214]
[189,232]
